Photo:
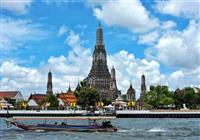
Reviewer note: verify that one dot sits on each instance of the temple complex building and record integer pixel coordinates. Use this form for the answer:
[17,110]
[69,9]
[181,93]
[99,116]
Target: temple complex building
[67,97]
[15,95]
[49,84]
[36,100]
[99,76]
[131,94]
[143,90]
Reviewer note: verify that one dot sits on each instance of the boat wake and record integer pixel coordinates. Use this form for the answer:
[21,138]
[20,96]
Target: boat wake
[123,130]
[156,130]
[39,130]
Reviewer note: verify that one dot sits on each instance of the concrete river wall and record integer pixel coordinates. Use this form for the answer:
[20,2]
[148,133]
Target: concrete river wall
[118,113]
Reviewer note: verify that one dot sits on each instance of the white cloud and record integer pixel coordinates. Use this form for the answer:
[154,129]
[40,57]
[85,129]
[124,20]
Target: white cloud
[187,9]
[18,7]
[177,74]
[184,77]
[17,77]
[168,25]
[134,16]
[16,33]
[148,38]
[152,37]
[73,39]
[62,30]
[73,66]
[180,49]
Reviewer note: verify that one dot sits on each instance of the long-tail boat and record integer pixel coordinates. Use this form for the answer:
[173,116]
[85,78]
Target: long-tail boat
[93,126]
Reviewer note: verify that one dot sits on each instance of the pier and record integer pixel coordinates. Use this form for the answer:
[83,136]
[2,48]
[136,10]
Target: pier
[158,113]
[42,113]
[118,113]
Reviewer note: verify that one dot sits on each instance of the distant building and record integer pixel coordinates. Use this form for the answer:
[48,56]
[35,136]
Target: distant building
[66,98]
[36,100]
[140,101]
[49,84]
[99,76]
[113,91]
[143,87]
[131,93]
[119,103]
[16,95]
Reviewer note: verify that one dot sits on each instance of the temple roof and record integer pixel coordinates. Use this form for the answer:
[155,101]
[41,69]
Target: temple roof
[130,90]
[67,97]
[38,98]
[9,94]
[69,90]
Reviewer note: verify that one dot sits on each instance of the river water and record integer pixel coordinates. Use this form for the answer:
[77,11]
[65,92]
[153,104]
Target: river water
[128,129]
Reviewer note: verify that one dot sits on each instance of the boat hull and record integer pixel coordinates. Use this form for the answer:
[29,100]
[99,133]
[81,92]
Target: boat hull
[72,128]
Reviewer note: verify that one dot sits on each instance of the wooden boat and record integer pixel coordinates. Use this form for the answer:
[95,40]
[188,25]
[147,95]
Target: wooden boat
[105,126]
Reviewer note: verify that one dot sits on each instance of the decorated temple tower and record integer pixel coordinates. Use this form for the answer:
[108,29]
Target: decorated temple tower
[99,76]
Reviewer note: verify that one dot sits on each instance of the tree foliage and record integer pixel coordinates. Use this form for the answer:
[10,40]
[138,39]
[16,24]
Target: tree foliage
[187,96]
[86,95]
[52,100]
[158,97]
[107,101]
[11,101]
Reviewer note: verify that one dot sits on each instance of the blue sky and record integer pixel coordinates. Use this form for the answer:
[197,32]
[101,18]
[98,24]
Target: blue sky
[157,38]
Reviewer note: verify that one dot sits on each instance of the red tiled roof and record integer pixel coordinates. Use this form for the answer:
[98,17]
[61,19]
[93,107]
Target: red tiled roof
[38,98]
[8,94]
[67,98]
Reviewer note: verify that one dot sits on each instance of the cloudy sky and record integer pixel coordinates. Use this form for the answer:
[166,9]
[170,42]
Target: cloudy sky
[157,38]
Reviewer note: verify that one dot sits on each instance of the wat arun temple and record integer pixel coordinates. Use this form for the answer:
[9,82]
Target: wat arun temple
[99,76]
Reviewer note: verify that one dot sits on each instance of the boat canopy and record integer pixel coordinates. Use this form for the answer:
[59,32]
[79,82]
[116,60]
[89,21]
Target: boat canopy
[65,118]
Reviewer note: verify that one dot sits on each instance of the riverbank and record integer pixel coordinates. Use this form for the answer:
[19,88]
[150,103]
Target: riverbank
[118,113]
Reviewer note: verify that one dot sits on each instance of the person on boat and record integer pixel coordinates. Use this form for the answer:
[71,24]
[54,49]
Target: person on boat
[95,122]
[63,123]
[55,123]
[107,124]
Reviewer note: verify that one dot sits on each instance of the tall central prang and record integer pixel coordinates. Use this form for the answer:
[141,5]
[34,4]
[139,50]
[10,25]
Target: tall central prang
[99,76]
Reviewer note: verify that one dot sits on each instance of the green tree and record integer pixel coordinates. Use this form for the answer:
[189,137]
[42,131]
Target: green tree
[52,100]
[158,97]
[107,101]
[186,96]
[86,95]
[151,99]
[11,101]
